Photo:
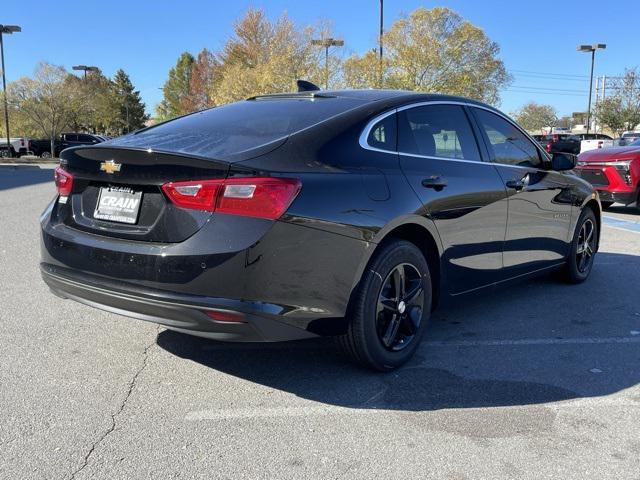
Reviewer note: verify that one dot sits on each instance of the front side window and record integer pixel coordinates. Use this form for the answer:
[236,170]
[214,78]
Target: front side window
[437,131]
[507,144]
[383,134]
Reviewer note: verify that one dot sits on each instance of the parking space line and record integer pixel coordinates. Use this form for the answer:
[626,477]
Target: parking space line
[627,225]
[437,343]
[250,413]
[533,341]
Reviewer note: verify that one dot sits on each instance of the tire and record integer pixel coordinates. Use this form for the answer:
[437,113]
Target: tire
[606,205]
[45,155]
[369,340]
[575,270]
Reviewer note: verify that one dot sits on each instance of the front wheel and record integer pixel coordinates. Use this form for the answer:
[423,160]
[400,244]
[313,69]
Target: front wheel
[45,155]
[583,248]
[606,205]
[390,310]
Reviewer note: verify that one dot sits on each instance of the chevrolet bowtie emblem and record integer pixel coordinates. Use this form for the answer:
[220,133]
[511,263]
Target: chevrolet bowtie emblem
[110,166]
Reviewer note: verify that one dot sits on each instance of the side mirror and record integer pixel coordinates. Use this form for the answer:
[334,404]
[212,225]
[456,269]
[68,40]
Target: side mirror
[561,162]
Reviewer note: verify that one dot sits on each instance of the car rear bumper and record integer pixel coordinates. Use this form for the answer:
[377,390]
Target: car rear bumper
[186,313]
[290,281]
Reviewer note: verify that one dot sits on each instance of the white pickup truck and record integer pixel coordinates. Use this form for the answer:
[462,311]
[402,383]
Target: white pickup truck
[19,146]
[593,144]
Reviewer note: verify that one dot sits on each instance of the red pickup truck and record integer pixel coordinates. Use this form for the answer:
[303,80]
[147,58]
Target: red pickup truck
[614,172]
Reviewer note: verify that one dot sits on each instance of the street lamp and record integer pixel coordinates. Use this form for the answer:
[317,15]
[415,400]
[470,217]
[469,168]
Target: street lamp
[380,38]
[327,43]
[592,49]
[8,29]
[86,68]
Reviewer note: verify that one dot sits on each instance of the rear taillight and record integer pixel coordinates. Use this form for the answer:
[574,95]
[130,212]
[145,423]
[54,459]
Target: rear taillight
[262,197]
[64,181]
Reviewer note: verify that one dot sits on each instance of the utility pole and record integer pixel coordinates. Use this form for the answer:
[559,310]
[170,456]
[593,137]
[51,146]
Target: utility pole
[327,43]
[8,29]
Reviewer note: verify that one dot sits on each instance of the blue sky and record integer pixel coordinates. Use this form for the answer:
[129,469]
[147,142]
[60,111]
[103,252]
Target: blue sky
[537,38]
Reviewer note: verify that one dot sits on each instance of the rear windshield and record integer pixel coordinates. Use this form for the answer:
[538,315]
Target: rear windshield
[237,127]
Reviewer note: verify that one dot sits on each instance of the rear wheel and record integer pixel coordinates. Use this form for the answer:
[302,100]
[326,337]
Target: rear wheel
[391,308]
[45,155]
[583,248]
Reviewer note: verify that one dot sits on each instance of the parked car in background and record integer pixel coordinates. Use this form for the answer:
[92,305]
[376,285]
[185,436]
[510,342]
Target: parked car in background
[19,146]
[343,213]
[614,172]
[42,148]
[570,143]
[628,138]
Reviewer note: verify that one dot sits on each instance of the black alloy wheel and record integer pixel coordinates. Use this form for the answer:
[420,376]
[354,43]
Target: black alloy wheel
[390,309]
[583,248]
[586,247]
[400,305]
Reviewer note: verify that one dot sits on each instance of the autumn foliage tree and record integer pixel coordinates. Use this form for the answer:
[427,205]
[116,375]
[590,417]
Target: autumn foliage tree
[204,75]
[535,117]
[266,57]
[429,50]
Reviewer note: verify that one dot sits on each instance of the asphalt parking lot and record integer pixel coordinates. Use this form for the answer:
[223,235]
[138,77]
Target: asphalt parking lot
[541,381]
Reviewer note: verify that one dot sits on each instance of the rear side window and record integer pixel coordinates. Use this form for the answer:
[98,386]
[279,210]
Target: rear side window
[383,134]
[237,127]
[507,144]
[437,131]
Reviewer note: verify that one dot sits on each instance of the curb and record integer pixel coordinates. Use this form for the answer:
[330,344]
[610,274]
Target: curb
[19,166]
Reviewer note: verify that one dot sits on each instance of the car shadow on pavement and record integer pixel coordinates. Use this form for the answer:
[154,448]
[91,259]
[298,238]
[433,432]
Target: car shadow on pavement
[627,210]
[12,176]
[475,354]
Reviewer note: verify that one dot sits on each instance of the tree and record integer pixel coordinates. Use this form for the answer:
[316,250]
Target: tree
[91,103]
[438,51]
[44,102]
[609,113]
[130,114]
[621,110]
[204,76]
[363,71]
[534,116]
[176,88]
[267,57]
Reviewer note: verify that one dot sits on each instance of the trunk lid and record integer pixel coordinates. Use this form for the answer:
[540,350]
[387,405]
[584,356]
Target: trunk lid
[117,192]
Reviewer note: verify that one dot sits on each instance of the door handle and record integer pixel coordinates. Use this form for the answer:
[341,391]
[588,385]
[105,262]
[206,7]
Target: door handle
[520,184]
[435,181]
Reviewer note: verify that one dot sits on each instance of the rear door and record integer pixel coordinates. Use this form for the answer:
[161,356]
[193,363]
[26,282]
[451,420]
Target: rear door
[462,194]
[539,199]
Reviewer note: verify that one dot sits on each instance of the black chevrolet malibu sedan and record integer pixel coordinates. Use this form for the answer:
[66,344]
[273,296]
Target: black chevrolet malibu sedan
[343,213]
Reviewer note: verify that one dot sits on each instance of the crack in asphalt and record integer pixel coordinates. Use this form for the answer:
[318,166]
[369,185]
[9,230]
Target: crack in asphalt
[114,416]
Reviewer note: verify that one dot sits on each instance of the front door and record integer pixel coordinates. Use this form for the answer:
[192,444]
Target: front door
[539,198]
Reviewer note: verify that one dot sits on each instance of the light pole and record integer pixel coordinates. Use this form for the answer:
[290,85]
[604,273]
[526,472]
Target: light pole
[592,49]
[327,43]
[86,68]
[380,38]
[8,29]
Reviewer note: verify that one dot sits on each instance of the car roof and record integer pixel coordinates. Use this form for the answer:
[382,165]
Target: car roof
[398,97]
